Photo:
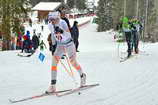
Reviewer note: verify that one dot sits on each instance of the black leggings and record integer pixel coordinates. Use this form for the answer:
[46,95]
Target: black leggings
[135,40]
[76,42]
[128,36]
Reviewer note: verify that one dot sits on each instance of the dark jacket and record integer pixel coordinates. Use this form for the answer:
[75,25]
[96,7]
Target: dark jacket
[75,31]
[35,41]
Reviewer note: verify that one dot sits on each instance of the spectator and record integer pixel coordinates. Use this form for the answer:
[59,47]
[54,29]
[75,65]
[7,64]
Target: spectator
[63,16]
[35,41]
[42,45]
[75,34]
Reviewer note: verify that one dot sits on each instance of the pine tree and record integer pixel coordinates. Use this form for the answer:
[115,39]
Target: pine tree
[148,20]
[80,4]
[117,12]
[71,3]
[104,13]
[13,11]
[151,21]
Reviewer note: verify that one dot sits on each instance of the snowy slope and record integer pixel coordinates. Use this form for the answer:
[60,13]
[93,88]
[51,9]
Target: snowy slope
[133,82]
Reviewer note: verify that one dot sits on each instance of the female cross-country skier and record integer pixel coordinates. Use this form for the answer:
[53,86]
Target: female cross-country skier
[60,35]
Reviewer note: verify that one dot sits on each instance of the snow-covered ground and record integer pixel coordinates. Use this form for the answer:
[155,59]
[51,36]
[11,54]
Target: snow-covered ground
[133,82]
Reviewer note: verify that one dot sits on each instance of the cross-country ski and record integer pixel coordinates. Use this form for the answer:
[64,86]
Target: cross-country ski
[57,93]
[79,90]
[37,96]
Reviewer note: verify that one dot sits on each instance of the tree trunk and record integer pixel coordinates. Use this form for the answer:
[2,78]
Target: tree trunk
[6,45]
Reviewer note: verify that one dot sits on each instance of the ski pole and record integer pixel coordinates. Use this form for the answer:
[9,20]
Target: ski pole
[118,50]
[68,62]
[70,74]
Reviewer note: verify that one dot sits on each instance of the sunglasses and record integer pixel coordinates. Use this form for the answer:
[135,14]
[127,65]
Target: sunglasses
[53,19]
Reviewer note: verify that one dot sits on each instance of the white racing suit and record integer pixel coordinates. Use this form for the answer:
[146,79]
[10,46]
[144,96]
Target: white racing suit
[65,46]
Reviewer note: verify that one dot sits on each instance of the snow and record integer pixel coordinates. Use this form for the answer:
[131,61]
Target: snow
[46,6]
[95,2]
[133,82]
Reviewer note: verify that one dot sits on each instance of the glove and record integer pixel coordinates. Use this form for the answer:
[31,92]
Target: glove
[53,48]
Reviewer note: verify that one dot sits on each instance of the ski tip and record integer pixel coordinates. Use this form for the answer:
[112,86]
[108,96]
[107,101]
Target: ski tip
[96,84]
[11,101]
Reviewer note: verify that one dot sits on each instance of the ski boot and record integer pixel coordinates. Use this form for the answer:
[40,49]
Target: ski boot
[136,51]
[51,89]
[129,55]
[83,80]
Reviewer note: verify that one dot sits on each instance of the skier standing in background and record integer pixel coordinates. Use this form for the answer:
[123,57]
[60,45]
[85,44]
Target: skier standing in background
[126,26]
[136,28]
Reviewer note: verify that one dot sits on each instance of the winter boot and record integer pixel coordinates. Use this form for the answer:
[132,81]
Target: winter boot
[136,51]
[83,79]
[129,55]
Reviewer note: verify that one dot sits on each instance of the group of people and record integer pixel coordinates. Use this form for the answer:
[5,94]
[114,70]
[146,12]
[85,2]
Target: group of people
[63,40]
[26,44]
[132,29]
